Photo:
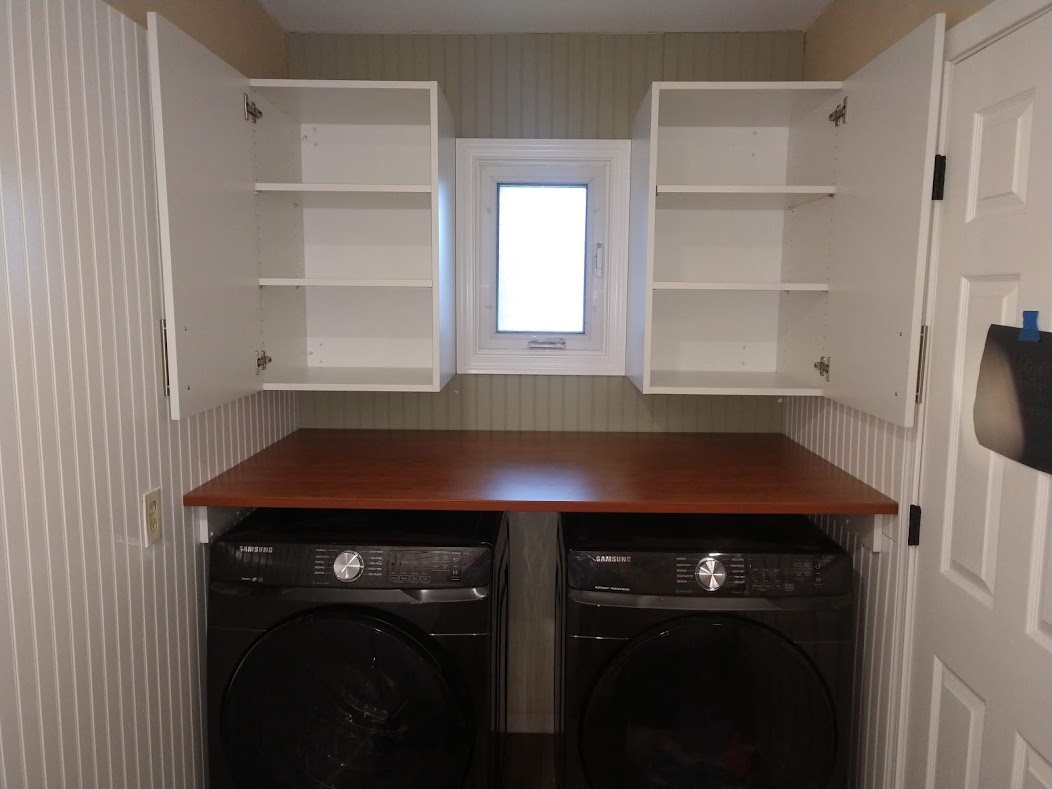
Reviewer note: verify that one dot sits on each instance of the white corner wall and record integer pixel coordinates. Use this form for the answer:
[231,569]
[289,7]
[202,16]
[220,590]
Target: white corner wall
[100,639]
[881,455]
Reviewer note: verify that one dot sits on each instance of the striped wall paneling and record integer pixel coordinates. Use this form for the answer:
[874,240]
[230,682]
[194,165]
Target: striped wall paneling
[100,639]
[557,85]
[540,402]
[882,455]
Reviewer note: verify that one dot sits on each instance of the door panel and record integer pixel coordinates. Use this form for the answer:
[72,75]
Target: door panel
[974,475]
[205,197]
[710,701]
[981,718]
[882,215]
[1002,146]
[958,715]
[1030,770]
[340,699]
[1039,595]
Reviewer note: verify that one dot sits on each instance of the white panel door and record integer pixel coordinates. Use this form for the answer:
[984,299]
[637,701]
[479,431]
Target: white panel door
[981,690]
[203,148]
[882,213]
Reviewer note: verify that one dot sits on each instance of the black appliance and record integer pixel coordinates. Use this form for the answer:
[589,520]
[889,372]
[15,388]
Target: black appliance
[703,651]
[357,648]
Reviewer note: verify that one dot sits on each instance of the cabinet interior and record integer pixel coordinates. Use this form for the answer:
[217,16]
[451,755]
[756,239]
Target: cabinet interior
[742,185]
[340,338]
[344,203]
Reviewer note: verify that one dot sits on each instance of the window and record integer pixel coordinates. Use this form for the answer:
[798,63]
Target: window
[541,275]
[541,256]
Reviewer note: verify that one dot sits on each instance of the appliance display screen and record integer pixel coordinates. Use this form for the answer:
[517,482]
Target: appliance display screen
[423,566]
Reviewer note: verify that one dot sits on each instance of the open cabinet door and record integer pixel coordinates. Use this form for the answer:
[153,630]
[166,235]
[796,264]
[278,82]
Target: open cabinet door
[885,155]
[205,194]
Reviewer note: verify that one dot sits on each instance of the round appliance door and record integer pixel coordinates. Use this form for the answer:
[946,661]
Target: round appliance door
[340,699]
[706,702]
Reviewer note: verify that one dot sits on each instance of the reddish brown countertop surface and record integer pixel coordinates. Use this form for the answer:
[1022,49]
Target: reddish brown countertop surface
[591,472]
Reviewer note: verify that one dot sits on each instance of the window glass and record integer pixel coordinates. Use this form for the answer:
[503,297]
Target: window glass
[541,258]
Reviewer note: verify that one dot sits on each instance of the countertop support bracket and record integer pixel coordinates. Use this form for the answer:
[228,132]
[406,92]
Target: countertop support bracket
[211,522]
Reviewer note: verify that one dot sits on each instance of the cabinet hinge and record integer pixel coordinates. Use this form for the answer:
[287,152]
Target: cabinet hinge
[822,365]
[921,359]
[252,112]
[938,184]
[262,360]
[839,115]
[913,535]
[164,358]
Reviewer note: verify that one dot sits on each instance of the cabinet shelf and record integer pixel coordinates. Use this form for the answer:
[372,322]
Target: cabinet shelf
[351,379]
[720,382]
[334,282]
[271,186]
[741,104]
[347,101]
[734,198]
[785,287]
[349,196]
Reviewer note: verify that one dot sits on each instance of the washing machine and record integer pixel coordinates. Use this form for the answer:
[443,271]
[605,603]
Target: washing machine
[703,651]
[357,648]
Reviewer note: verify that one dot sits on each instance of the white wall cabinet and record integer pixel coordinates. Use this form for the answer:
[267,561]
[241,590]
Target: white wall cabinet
[310,247]
[766,237]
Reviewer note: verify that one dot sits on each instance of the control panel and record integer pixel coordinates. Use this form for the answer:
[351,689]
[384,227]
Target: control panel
[710,574]
[352,566]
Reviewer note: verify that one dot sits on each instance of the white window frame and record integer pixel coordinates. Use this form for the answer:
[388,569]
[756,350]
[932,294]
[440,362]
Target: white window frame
[482,164]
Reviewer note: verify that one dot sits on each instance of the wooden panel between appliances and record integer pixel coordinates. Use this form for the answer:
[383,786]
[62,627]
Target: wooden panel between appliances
[527,471]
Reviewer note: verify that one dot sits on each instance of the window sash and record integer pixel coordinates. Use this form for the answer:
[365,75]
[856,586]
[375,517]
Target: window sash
[606,164]
[594,176]
[581,260]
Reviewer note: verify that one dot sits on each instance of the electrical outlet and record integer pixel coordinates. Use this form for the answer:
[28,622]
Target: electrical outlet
[151,517]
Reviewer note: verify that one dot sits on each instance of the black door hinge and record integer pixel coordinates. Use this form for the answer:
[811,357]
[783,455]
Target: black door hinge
[938,184]
[913,535]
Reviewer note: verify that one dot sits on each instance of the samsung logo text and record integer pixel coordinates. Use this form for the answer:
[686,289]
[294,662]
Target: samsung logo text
[255,549]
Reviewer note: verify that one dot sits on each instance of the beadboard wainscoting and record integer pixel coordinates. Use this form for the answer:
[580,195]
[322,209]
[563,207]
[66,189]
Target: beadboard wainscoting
[100,638]
[547,85]
[882,455]
[540,402]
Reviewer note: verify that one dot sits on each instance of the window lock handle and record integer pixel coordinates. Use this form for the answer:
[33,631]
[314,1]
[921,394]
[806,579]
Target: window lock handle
[553,343]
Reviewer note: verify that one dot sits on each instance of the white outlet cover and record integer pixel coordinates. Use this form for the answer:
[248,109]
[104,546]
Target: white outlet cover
[152,529]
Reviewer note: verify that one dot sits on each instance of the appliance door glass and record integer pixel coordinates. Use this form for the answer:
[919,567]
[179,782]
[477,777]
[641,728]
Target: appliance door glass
[340,699]
[709,701]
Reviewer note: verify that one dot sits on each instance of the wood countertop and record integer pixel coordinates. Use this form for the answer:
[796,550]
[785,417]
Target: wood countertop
[534,471]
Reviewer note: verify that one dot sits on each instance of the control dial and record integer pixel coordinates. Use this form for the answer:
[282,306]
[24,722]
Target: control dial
[348,566]
[710,574]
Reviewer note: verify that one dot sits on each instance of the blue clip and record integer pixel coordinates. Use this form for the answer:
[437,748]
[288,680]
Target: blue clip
[1030,331]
